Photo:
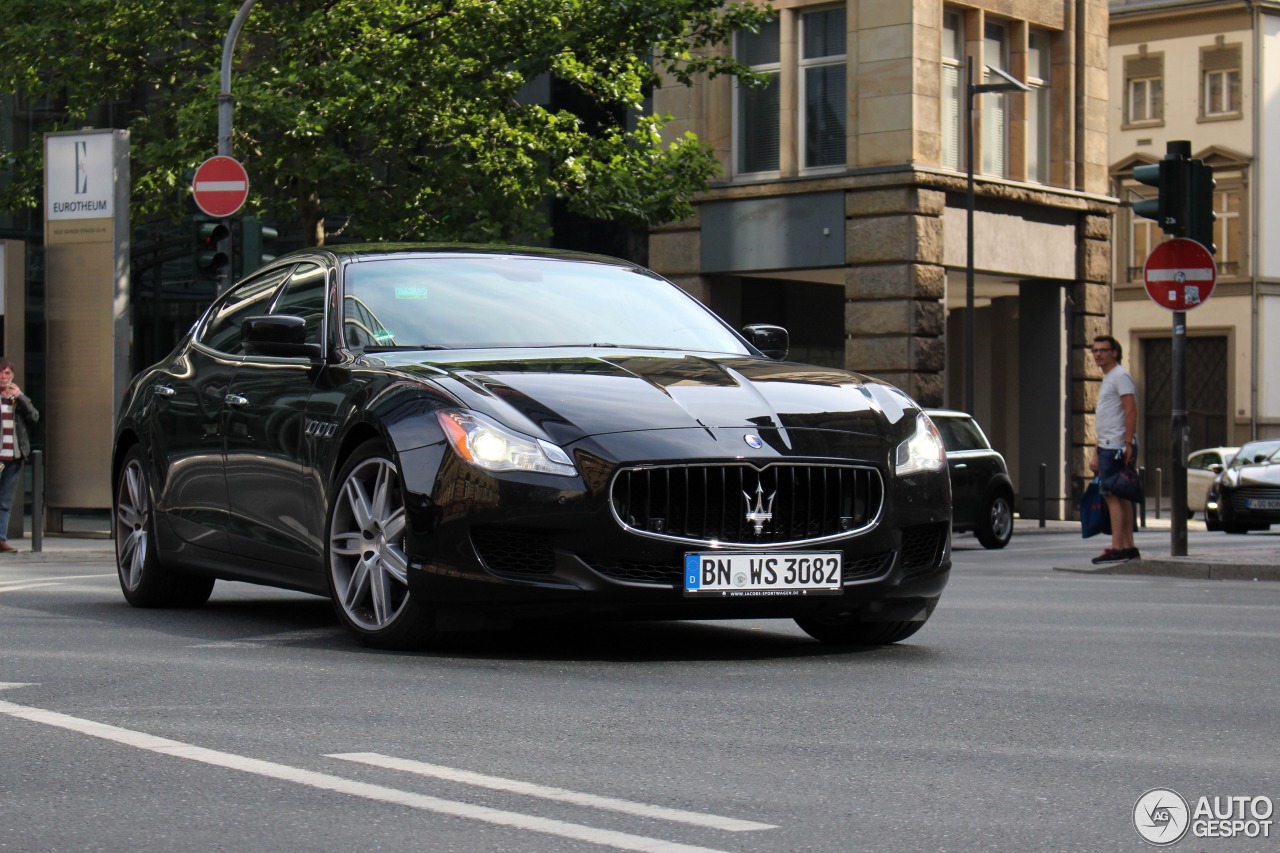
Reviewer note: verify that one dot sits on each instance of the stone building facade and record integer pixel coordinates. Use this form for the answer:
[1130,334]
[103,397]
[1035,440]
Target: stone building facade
[842,211]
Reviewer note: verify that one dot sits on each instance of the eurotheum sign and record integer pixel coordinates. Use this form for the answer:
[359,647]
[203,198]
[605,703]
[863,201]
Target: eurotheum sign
[79,180]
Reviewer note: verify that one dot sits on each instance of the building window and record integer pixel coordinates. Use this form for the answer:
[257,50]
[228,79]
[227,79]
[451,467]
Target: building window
[995,108]
[1144,89]
[952,90]
[822,76]
[1220,79]
[1227,231]
[1144,235]
[1039,108]
[757,123]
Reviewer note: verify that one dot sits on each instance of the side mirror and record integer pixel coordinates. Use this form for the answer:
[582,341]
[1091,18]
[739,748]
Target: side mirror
[1215,468]
[278,335]
[773,341]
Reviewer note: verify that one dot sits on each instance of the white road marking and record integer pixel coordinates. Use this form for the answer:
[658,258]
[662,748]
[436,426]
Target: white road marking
[32,583]
[497,783]
[8,588]
[337,784]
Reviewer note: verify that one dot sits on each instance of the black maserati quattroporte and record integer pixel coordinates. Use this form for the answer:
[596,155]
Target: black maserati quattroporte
[415,430]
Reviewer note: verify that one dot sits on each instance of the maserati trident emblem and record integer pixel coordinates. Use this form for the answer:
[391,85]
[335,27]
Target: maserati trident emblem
[753,441]
[761,513]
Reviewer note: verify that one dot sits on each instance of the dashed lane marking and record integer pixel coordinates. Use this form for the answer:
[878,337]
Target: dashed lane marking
[514,786]
[337,784]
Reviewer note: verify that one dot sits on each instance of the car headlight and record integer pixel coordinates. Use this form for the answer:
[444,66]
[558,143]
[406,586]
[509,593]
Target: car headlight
[922,451]
[485,443]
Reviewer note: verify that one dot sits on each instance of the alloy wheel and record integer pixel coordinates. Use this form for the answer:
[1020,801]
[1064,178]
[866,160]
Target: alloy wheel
[133,521]
[366,545]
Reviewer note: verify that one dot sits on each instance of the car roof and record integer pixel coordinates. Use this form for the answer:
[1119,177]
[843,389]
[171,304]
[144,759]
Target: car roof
[362,251]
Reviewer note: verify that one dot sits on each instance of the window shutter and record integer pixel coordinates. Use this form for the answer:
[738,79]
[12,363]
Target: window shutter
[1220,59]
[951,117]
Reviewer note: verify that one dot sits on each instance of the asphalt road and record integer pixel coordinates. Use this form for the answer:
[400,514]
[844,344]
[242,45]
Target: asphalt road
[1030,714]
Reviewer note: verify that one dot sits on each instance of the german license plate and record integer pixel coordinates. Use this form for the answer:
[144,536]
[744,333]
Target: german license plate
[1262,503]
[737,574]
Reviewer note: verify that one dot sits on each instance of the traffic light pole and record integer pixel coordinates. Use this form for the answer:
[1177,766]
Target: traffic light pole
[1185,188]
[225,102]
[1178,520]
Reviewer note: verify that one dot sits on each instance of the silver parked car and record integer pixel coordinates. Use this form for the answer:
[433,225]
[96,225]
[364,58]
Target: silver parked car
[1203,467]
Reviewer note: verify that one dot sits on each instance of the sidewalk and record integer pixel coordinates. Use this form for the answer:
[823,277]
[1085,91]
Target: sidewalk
[1261,563]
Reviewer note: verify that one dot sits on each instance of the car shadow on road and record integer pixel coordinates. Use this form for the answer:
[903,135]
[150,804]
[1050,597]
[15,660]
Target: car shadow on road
[302,621]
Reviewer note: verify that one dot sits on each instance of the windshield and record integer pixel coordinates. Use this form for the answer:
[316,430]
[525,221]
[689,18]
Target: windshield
[486,301]
[1256,451]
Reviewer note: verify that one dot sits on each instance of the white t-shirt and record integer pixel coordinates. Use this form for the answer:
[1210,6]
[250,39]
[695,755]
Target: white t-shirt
[1110,418]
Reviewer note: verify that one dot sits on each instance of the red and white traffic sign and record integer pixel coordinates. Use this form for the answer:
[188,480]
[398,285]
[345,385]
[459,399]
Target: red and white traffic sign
[1179,274]
[220,186]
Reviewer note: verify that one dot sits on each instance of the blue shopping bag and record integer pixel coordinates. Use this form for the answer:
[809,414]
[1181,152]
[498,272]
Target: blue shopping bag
[1095,518]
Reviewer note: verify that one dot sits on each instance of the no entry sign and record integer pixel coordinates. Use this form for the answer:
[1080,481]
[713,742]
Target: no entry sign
[1179,274]
[220,186]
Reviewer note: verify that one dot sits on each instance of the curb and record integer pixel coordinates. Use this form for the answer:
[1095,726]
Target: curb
[1183,567]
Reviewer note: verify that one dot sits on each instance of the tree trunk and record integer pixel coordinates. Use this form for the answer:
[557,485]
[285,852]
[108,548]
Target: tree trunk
[312,214]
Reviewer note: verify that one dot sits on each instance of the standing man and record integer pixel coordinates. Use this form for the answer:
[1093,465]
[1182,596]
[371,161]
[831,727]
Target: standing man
[17,417]
[1117,421]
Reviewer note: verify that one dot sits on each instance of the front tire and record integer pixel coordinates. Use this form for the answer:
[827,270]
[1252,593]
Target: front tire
[995,529]
[847,629]
[366,564]
[144,580]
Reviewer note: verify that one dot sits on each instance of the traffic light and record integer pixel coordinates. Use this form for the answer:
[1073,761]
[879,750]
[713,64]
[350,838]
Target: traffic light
[1170,178]
[253,243]
[1200,215]
[207,233]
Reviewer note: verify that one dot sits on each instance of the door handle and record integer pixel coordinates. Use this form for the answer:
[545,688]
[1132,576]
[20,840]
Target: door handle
[235,400]
[163,391]
[960,465]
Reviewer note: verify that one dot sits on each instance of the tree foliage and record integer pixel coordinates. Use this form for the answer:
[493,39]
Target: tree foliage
[387,119]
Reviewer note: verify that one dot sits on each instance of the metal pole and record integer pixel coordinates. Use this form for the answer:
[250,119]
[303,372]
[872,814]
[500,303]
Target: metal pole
[1178,512]
[971,326]
[37,501]
[1043,477]
[225,103]
[1142,507]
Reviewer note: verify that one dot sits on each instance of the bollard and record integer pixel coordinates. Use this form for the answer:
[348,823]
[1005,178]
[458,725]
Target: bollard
[37,501]
[1142,507]
[1042,497]
[1159,489]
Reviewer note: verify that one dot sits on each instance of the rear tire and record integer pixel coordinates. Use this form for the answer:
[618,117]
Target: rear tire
[366,566]
[144,580]
[995,529]
[847,629]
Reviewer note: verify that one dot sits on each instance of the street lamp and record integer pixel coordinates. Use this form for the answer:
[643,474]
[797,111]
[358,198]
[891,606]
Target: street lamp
[1009,84]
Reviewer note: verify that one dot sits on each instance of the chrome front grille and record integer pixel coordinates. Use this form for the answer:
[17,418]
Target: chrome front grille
[740,505]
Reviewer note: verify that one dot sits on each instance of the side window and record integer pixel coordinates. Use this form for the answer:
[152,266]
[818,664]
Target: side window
[959,434]
[250,299]
[304,296]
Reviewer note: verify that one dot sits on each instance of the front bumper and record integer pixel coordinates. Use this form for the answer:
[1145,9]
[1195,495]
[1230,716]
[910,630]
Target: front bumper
[543,544]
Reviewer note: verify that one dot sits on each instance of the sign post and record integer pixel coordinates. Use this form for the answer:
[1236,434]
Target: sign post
[1179,275]
[220,187]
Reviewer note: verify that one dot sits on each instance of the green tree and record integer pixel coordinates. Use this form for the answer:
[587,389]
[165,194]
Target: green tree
[399,116]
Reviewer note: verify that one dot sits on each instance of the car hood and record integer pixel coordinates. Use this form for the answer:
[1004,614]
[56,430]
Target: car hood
[1255,475]
[569,394]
